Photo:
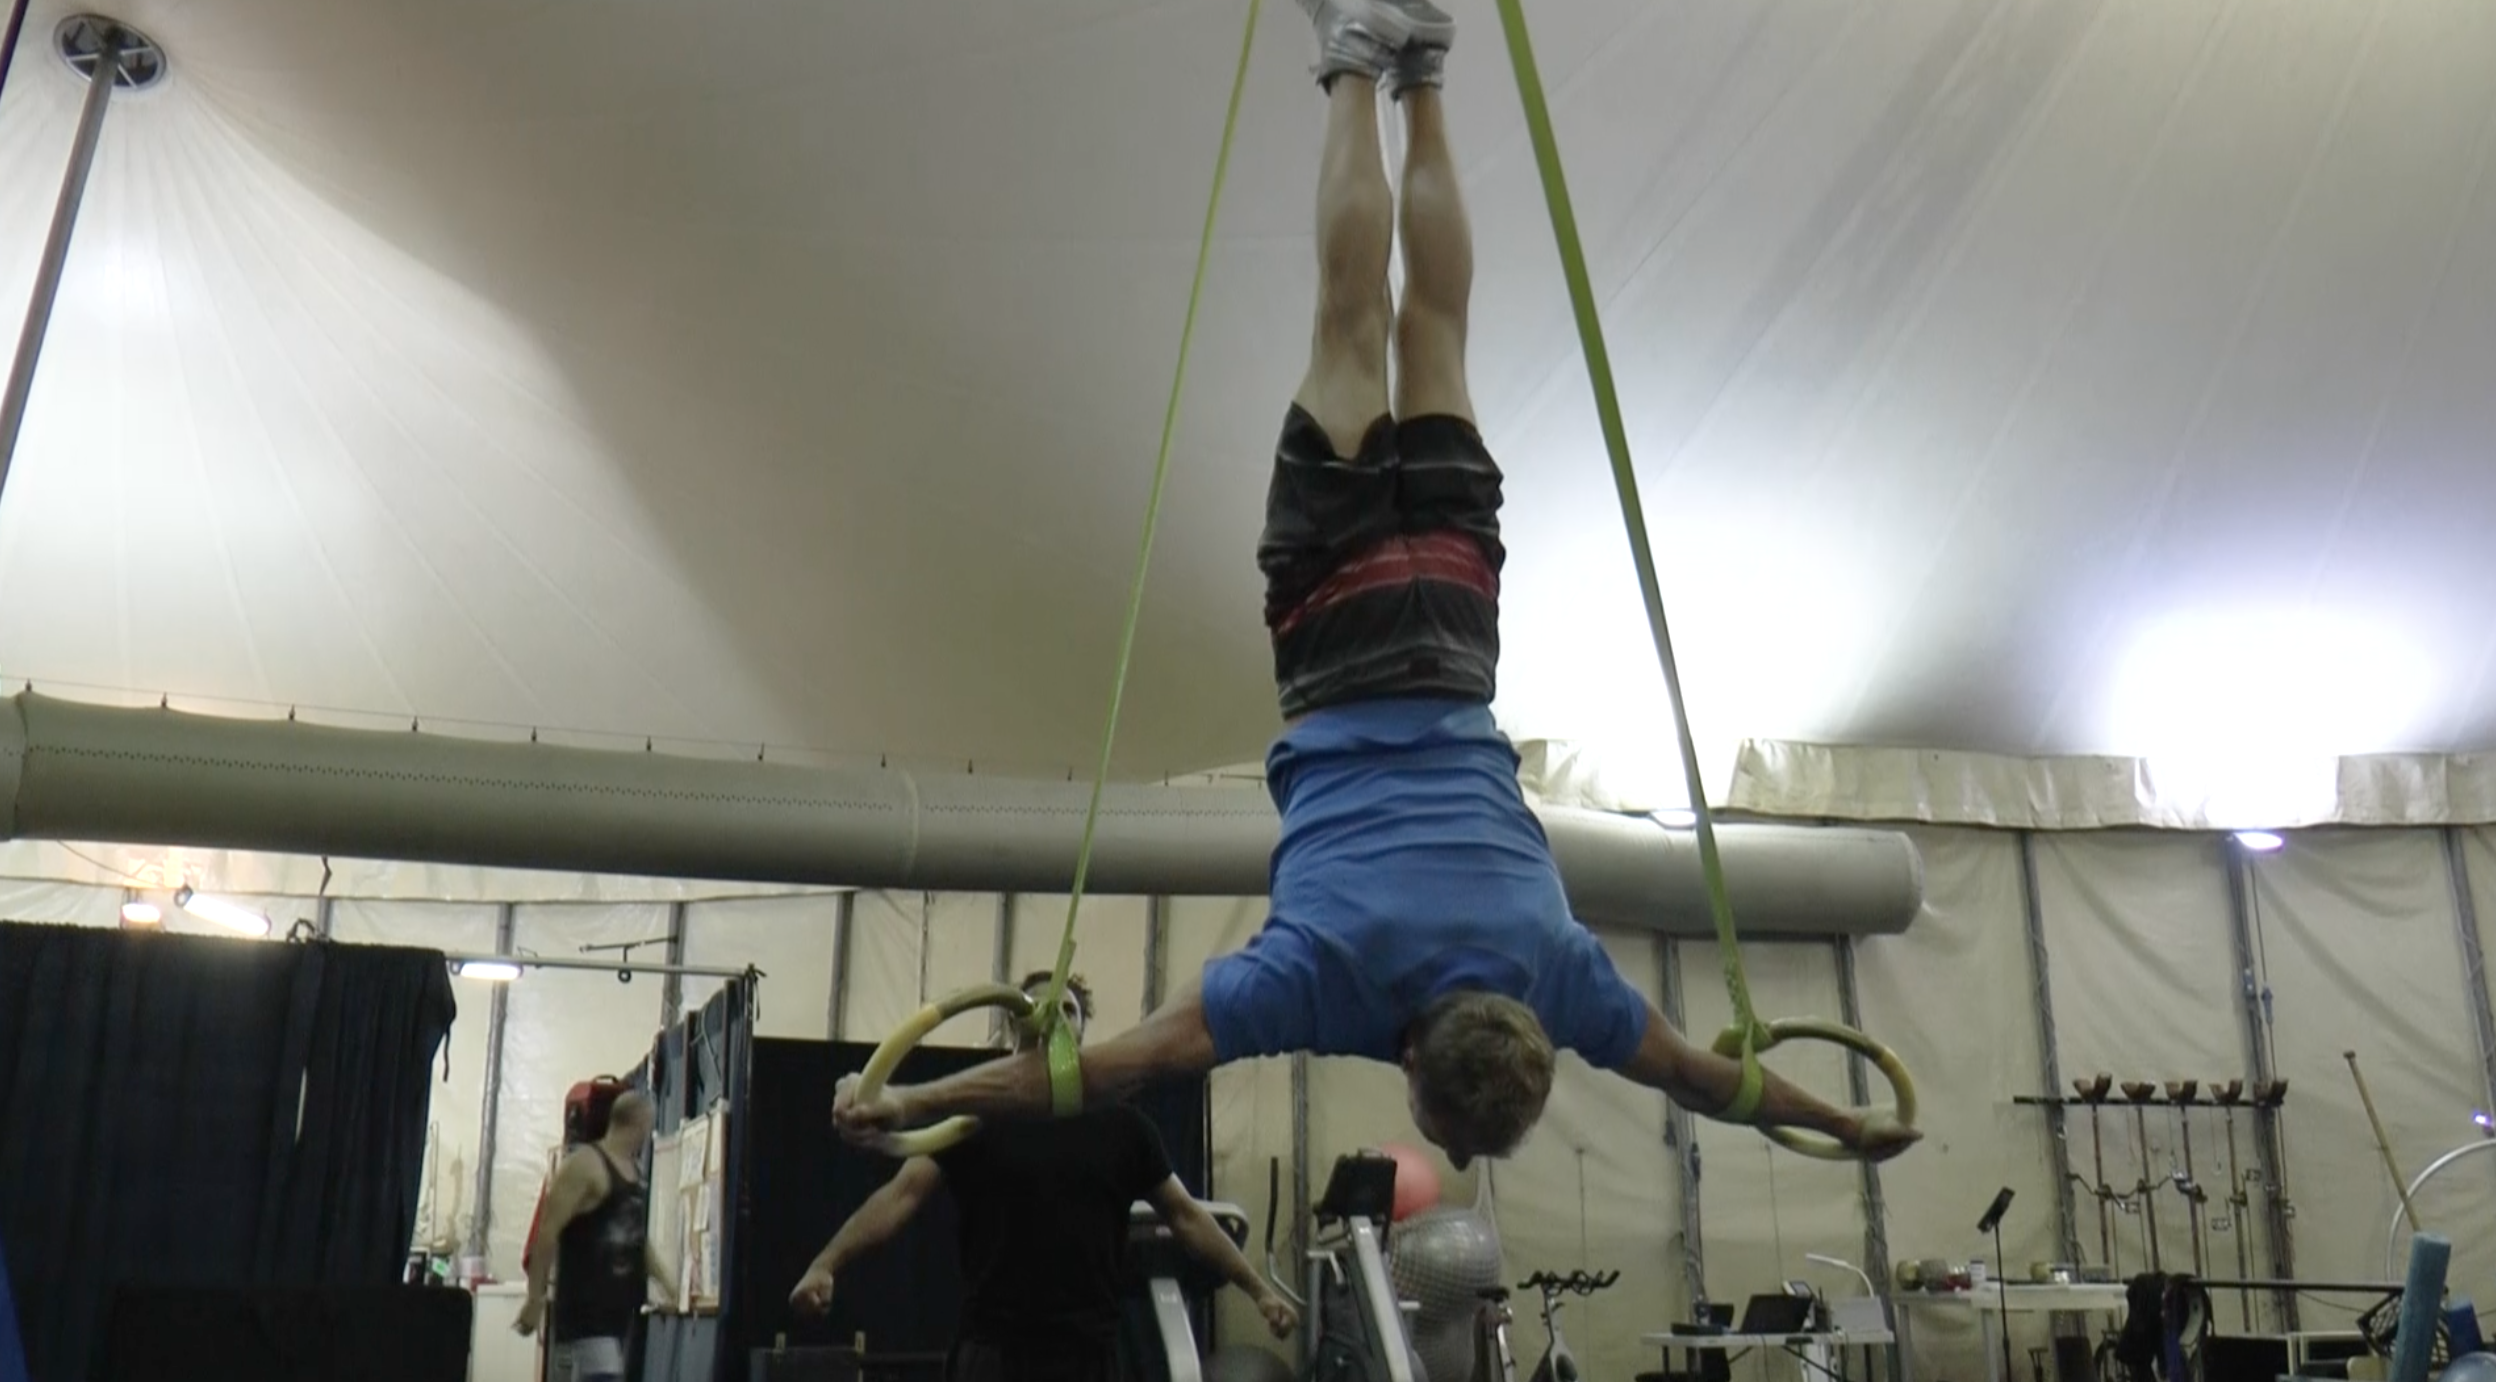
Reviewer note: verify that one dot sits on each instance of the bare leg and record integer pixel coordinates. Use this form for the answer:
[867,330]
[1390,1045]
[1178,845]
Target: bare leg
[1346,386]
[1438,269]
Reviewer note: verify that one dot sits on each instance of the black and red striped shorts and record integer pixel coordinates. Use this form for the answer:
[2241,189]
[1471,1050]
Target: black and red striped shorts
[1382,570]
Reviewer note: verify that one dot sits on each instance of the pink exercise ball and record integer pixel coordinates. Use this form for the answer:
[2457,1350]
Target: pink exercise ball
[1416,1180]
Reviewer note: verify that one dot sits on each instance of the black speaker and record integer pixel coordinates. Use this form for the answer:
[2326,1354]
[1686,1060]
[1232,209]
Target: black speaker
[2074,1359]
[372,1333]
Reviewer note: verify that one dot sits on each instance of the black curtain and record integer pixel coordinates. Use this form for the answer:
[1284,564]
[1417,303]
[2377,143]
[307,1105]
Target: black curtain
[190,1111]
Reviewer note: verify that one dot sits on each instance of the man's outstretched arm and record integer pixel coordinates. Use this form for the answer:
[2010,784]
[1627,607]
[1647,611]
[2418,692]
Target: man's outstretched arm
[883,1215]
[1703,1082]
[1194,1228]
[1172,1040]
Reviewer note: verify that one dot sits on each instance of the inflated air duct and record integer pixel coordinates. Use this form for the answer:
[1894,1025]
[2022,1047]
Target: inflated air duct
[70,771]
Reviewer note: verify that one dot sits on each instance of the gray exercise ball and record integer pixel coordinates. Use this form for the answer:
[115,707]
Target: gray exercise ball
[1442,1259]
[2471,1367]
[1246,1363]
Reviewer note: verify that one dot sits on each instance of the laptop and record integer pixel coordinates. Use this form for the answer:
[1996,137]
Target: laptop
[1776,1315]
[1719,1321]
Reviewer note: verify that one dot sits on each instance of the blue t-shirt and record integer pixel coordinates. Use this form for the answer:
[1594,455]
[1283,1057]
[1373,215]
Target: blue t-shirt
[1409,867]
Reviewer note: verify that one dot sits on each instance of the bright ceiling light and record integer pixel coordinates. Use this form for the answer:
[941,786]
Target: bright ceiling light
[233,916]
[2243,714]
[491,971]
[1676,818]
[2261,841]
[142,914]
[1778,653]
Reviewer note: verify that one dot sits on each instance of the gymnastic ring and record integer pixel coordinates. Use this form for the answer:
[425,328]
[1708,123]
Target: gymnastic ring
[905,1039]
[1774,1034]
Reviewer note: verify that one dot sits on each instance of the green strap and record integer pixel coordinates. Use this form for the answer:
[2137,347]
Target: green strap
[1633,516]
[1065,1065]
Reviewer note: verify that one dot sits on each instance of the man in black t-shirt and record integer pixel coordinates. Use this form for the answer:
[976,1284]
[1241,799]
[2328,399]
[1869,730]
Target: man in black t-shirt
[1044,1209]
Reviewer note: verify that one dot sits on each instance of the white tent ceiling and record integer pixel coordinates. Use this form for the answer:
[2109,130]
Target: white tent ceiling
[2030,378]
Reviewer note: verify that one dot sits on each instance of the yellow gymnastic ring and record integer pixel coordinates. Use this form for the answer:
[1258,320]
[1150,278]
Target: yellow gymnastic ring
[905,1039]
[1774,1034]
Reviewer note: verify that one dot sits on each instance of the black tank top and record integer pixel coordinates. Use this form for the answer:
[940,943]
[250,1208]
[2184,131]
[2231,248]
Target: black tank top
[601,1267]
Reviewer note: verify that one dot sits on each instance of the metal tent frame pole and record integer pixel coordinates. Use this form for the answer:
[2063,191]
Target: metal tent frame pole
[1001,971]
[1156,944]
[927,933]
[8,40]
[2049,1057]
[615,967]
[48,269]
[2473,960]
[2254,999]
[498,1016]
[1875,1204]
[844,913]
[672,989]
[1681,1137]
[1859,1093]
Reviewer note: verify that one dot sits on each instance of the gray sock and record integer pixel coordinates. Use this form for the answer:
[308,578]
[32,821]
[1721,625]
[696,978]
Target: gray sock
[1418,65]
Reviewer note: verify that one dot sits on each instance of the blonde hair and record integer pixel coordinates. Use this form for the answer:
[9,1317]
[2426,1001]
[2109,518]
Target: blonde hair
[1481,1065]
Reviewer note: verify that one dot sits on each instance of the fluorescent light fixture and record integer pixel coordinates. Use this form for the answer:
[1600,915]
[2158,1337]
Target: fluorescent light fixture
[142,914]
[491,971]
[233,916]
[2260,841]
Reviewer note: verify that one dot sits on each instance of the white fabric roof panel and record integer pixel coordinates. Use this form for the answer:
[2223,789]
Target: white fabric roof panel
[792,373]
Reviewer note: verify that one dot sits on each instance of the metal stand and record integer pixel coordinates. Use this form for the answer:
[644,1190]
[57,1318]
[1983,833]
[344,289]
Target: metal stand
[2183,1096]
[1175,1284]
[1300,1240]
[2188,1181]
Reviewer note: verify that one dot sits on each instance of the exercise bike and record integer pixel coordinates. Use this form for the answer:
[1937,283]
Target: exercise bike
[1179,1289]
[1493,1361]
[1352,1324]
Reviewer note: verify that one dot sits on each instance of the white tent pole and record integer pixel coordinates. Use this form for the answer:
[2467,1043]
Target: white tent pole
[100,84]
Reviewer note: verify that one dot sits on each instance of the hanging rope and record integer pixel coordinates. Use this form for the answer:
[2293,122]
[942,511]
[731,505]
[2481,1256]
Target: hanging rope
[1064,1060]
[1747,1037]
